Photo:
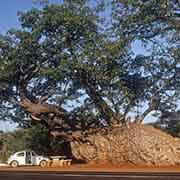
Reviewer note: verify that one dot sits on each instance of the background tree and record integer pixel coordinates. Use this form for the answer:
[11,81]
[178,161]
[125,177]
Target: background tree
[169,122]
[34,138]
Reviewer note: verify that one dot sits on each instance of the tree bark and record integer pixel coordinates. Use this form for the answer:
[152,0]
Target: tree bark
[135,144]
[36,109]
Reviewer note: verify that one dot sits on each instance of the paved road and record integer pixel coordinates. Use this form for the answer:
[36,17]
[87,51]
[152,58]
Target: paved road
[87,176]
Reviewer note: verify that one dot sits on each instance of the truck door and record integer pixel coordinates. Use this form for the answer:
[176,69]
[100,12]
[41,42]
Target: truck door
[28,158]
[21,158]
[33,158]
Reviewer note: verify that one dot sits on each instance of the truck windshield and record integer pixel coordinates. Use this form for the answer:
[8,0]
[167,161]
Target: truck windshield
[20,154]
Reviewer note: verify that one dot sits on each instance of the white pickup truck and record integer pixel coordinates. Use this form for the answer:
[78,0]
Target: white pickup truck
[23,158]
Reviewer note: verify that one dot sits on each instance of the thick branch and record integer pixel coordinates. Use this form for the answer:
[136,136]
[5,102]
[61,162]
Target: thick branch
[145,113]
[88,84]
[36,109]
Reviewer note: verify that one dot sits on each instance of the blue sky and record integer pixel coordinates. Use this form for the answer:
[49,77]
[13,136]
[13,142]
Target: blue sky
[8,13]
[9,10]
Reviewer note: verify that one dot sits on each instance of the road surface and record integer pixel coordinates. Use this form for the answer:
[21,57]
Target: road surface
[5,175]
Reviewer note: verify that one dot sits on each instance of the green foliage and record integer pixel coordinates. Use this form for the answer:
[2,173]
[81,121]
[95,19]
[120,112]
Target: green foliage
[66,50]
[170,122]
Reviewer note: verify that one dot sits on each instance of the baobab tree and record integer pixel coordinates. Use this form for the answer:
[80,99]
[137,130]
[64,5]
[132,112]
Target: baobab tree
[66,54]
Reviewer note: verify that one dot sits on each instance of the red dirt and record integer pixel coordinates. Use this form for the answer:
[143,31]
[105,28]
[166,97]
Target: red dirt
[97,168]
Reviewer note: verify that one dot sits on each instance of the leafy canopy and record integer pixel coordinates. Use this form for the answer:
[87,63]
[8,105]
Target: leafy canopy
[65,54]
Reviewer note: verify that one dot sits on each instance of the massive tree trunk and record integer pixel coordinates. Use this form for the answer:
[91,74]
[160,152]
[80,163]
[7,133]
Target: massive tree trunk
[135,144]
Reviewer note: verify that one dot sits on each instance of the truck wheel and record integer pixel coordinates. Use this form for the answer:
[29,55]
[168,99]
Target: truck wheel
[43,163]
[14,164]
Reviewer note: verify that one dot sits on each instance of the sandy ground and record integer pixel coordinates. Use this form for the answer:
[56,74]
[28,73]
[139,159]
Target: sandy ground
[94,168]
